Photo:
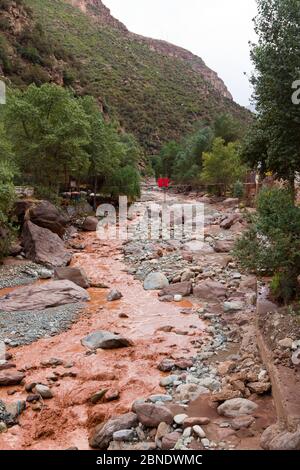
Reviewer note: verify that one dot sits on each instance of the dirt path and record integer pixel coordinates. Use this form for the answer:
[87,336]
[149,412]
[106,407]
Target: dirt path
[158,330]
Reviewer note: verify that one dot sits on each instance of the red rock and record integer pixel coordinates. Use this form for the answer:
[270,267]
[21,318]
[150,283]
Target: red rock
[180,288]
[7,365]
[11,378]
[152,415]
[170,440]
[197,421]
[209,290]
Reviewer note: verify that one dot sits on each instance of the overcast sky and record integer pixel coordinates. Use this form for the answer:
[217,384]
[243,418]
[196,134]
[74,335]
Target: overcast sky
[216,30]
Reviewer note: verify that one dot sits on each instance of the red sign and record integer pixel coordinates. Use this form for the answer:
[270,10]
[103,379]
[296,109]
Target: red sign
[163,182]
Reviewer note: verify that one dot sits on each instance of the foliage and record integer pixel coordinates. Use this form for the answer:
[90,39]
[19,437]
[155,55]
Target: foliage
[272,243]
[222,166]
[228,128]
[276,60]
[238,190]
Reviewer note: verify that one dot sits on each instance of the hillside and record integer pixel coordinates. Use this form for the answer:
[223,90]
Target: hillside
[155,90]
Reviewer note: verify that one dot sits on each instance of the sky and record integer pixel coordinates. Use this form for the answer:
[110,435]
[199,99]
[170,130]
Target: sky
[218,31]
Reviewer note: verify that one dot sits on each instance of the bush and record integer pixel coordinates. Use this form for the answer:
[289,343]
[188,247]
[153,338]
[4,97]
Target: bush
[238,190]
[271,246]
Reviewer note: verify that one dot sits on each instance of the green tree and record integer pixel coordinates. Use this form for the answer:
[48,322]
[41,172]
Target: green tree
[228,128]
[277,66]
[222,166]
[49,131]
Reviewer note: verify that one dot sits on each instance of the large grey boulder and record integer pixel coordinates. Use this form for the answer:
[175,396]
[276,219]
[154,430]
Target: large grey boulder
[151,415]
[209,290]
[90,224]
[76,275]
[155,281]
[43,246]
[180,288]
[237,407]
[105,340]
[41,296]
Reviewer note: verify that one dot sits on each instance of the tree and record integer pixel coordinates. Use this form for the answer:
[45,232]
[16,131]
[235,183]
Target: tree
[222,166]
[49,131]
[228,128]
[277,66]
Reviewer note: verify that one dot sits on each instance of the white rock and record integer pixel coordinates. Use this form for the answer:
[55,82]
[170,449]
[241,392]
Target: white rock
[178,419]
[205,442]
[199,431]
[177,298]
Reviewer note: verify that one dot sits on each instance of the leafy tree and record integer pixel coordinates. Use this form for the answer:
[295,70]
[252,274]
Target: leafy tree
[228,128]
[222,166]
[276,60]
[166,159]
[271,245]
[49,131]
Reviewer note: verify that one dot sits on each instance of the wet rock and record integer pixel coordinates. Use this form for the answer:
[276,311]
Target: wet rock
[11,378]
[125,435]
[42,296]
[90,224]
[76,275]
[237,407]
[46,215]
[155,281]
[43,246]
[190,392]
[151,415]
[166,365]
[113,295]
[209,290]
[43,391]
[103,434]
[242,422]
[170,440]
[180,288]
[105,340]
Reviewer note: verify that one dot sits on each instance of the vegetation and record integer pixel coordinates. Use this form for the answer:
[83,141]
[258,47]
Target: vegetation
[155,97]
[271,246]
[274,143]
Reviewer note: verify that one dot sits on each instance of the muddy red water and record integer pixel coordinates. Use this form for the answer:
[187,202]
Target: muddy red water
[66,419]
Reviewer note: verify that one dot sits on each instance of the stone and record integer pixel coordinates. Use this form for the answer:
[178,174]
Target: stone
[151,415]
[187,275]
[209,290]
[190,392]
[180,288]
[170,440]
[43,390]
[223,246]
[103,434]
[125,435]
[205,442]
[196,246]
[237,407]
[43,246]
[242,422]
[113,295]
[234,306]
[199,431]
[209,382]
[3,427]
[11,378]
[166,365]
[229,221]
[296,357]
[162,398]
[226,367]
[46,215]
[195,421]
[15,410]
[105,340]
[231,202]
[42,296]
[162,430]
[76,275]
[98,396]
[286,343]
[169,380]
[275,439]
[260,388]
[179,419]
[178,298]
[126,446]
[155,281]
[225,395]
[90,224]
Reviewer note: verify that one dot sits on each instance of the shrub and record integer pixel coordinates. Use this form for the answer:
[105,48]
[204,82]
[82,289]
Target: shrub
[272,243]
[238,190]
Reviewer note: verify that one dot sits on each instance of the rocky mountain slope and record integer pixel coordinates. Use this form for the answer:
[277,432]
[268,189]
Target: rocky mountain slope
[153,89]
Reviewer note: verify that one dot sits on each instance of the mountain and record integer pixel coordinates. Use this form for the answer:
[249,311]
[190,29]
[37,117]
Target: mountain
[152,88]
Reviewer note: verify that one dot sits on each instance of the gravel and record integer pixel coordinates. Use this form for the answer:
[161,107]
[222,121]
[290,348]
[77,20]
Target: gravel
[21,274]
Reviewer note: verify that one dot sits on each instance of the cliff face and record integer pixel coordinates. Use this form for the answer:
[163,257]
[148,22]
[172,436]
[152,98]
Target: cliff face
[101,14]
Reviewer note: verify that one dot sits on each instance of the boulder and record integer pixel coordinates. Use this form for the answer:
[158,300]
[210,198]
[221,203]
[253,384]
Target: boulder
[231,202]
[275,439]
[90,224]
[103,434]
[105,340]
[237,407]
[113,295]
[151,415]
[76,275]
[180,288]
[11,378]
[46,215]
[209,290]
[170,440]
[233,306]
[155,281]
[190,392]
[229,221]
[43,391]
[197,246]
[223,246]
[41,296]
[43,246]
